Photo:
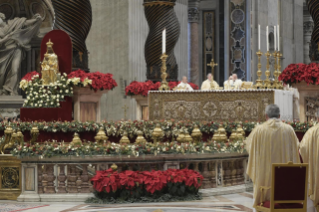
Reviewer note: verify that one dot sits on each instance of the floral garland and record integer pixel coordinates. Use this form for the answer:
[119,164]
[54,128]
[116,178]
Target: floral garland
[169,127]
[39,96]
[142,88]
[296,73]
[48,150]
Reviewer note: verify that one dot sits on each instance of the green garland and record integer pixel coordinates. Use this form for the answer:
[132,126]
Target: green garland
[54,149]
[170,127]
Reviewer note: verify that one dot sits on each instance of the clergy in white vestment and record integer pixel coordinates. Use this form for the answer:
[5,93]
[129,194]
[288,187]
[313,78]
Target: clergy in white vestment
[209,84]
[296,109]
[184,86]
[229,83]
[309,150]
[237,82]
[268,143]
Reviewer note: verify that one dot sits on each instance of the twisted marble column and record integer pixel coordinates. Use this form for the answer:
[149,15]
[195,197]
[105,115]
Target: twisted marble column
[160,14]
[313,7]
[75,18]
[193,19]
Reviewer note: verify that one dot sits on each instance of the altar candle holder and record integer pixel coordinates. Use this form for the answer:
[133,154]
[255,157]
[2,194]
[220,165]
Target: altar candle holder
[267,83]
[275,83]
[279,84]
[164,84]
[259,82]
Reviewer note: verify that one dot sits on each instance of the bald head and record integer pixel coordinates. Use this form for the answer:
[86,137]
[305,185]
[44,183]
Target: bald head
[184,79]
[235,77]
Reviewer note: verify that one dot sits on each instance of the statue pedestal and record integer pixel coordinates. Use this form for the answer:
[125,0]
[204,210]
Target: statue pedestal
[304,92]
[87,104]
[141,107]
[10,106]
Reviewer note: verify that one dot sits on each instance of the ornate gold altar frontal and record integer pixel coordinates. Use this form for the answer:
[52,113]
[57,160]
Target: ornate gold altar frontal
[10,177]
[210,105]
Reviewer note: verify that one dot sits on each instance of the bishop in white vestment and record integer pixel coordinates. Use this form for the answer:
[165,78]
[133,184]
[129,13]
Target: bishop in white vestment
[309,151]
[270,142]
[184,86]
[209,84]
[228,83]
[237,82]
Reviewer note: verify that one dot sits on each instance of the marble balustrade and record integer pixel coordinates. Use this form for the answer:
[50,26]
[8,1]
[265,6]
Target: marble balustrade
[57,178]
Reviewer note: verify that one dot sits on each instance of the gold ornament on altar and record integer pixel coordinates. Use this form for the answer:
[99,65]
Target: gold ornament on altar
[181,137]
[7,137]
[20,137]
[157,133]
[140,138]
[12,141]
[259,82]
[279,84]
[187,138]
[124,139]
[100,136]
[267,83]
[164,84]
[114,167]
[76,140]
[197,134]
[233,136]
[50,65]
[221,134]
[240,132]
[34,134]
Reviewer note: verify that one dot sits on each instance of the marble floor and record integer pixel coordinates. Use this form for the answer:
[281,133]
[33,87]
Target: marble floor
[227,203]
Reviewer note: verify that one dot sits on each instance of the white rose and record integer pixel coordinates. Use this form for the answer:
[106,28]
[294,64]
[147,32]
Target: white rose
[58,104]
[58,95]
[26,101]
[67,91]
[63,86]
[60,91]
[40,105]
[51,103]
[62,97]
[36,105]
[28,98]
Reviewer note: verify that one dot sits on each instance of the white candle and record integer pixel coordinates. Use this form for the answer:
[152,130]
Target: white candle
[164,41]
[275,37]
[259,36]
[278,31]
[267,39]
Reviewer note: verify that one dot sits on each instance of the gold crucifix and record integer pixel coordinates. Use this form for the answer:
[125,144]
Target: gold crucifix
[125,111]
[213,65]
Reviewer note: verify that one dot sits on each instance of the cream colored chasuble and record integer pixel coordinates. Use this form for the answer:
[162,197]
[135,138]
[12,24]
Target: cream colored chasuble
[270,142]
[309,150]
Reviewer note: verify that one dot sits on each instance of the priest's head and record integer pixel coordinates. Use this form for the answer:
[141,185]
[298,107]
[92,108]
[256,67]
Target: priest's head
[272,112]
[184,79]
[210,77]
[235,77]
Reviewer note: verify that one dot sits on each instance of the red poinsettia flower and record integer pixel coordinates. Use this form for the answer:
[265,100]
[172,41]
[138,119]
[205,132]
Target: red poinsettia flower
[28,77]
[296,73]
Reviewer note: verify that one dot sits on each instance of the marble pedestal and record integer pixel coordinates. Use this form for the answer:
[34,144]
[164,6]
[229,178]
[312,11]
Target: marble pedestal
[10,106]
[87,104]
[142,104]
[304,92]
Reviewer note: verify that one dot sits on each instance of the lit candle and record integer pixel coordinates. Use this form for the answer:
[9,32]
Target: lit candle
[278,31]
[259,36]
[275,37]
[164,41]
[267,39]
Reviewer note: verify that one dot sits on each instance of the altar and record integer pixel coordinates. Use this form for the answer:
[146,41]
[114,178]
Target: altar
[235,105]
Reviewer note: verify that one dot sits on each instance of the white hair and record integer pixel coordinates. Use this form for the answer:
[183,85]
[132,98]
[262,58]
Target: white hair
[272,111]
[209,75]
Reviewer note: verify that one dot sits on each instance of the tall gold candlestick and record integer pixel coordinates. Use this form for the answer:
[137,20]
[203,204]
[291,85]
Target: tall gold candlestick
[279,84]
[267,83]
[164,84]
[275,71]
[259,82]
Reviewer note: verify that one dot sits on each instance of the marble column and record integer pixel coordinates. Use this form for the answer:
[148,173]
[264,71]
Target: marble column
[193,19]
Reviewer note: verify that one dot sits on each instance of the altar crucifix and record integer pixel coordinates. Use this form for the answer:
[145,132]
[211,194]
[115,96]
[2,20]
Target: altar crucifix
[212,64]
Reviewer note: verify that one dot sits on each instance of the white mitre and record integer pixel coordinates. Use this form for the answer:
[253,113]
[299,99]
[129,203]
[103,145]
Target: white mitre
[184,87]
[206,86]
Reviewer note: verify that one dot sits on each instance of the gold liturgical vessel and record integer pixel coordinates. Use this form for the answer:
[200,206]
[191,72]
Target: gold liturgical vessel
[50,65]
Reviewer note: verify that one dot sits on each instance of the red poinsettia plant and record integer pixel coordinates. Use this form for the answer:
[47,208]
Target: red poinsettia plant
[30,76]
[296,73]
[128,183]
[142,88]
[96,80]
